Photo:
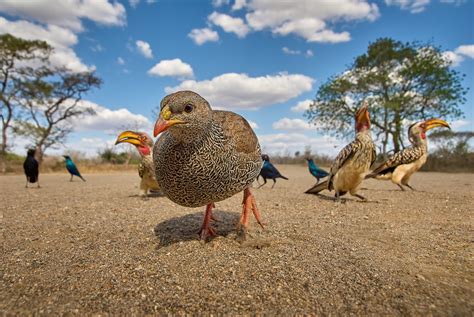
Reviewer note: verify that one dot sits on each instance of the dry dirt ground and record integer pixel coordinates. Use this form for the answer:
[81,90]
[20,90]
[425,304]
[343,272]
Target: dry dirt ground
[98,248]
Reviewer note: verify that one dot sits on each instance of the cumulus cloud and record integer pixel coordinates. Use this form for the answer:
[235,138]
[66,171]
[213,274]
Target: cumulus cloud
[239,4]
[229,24]
[61,39]
[109,120]
[174,68]
[281,143]
[302,106]
[462,124]
[218,3]
[201,36]
[288,51]
[66,13]
[459,54]
[288,124]
[144,48]
[240,91]
[308,18]
[253,125]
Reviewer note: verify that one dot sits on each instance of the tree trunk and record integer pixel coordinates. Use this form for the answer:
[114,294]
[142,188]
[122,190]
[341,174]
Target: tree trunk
[397,132]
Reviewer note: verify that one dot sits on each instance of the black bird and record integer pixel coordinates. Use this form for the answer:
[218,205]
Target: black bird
[269,171]
[31,168]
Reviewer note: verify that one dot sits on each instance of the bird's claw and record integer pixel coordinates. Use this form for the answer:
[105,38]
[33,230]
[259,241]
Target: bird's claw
[207,232]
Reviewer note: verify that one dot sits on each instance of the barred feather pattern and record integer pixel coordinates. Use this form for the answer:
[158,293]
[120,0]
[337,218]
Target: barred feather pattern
[360,153]
[208,169]
[406,156]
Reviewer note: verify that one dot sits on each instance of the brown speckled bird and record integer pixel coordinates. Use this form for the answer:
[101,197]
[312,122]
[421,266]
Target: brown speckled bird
[402,165]
[353,162]
[146,170]
[205,156]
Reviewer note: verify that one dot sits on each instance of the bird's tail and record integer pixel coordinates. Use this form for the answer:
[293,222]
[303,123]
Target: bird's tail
[82,178]
[32,179]
[283,177]
[317,188]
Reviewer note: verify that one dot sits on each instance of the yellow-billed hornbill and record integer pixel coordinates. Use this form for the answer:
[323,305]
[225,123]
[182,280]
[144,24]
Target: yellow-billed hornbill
[353,161]
[402,165]
[146,169]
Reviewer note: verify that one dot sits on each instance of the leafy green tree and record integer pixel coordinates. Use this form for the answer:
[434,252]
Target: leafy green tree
[401,82]
[18,58]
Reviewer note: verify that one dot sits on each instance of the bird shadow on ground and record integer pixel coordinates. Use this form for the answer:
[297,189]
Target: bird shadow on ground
[186,228]
[150,195]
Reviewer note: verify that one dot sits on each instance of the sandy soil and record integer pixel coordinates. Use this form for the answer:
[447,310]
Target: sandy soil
[96,248]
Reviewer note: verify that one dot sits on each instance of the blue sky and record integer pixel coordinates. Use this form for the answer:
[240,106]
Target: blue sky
[263,59]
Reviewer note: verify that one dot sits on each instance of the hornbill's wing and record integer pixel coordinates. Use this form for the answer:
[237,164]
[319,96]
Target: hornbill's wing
[406,156]
[141,169]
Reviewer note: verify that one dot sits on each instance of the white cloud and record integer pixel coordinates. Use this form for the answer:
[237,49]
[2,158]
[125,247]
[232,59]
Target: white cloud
[218,3]
[466,50]
[133,3]
[201,36]
[61,39]
[109,120]
[281,143]
[414,6]
[288,124]
[302,106]
[288,51]
[120,61]
[144,48]
[462,124]
[459,54]
[239,91]
[174,68]
[309,53]
[253,125]
[239,4]
[66,13]
[229,24]
[308,18]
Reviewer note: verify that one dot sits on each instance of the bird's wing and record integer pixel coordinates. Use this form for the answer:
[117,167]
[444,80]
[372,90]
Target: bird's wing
[405,156]
[237,128]
[73,169]
[317,188]
[344,155]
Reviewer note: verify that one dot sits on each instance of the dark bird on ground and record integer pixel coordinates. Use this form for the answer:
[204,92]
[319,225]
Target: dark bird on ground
[353,161]
[315,170]
[146,169]
[71,168]
[31,168]
[205,156]
[269,171]
[402,165]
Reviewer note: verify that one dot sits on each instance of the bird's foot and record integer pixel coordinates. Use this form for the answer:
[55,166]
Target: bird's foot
[206,230]
[249,204]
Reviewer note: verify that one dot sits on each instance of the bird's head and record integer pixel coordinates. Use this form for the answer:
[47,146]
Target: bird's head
[67,157]
[362,118]
[265,157]
[183,113]
[31,152]
[142,141]
[418,130]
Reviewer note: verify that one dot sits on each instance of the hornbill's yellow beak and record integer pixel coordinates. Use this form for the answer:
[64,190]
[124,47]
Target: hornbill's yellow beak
[131,137]
[165,121]
[434,123]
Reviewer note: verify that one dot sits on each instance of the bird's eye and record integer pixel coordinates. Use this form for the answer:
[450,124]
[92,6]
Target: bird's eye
[188,108]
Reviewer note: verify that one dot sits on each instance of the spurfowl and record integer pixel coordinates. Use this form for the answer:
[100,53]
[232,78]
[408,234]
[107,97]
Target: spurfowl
[205,156]
[146,169]
[31,168]
[269,171]
[402,165]
[353,162]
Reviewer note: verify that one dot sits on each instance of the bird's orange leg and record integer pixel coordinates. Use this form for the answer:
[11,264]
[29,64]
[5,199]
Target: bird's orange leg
[206,228]
[249,204]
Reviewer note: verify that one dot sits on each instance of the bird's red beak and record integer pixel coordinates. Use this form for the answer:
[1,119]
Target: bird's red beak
[165,121]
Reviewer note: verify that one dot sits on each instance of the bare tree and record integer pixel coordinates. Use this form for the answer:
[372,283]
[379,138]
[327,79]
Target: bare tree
[50,103]
[17,57]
